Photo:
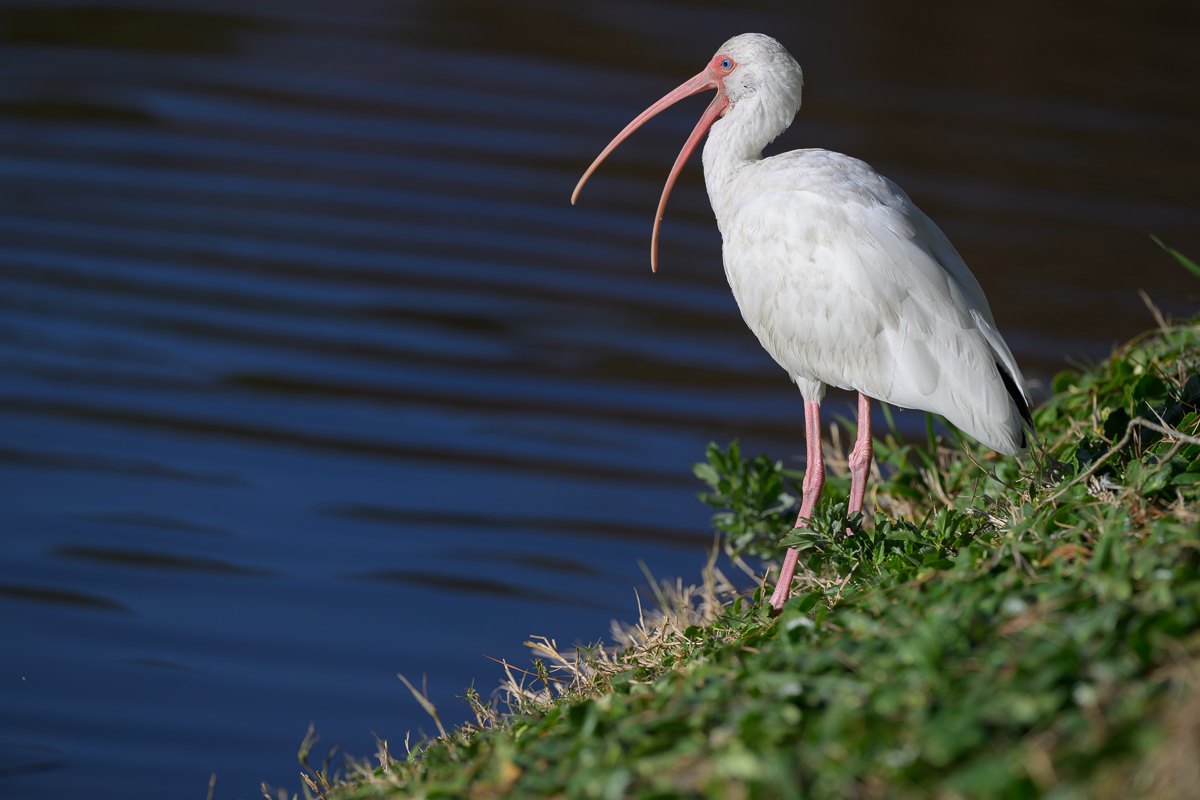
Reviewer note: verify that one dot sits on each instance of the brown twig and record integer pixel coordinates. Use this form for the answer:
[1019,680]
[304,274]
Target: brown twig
[1133,423]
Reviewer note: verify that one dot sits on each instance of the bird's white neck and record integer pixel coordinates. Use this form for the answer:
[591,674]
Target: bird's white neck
[752,122]
[731,143]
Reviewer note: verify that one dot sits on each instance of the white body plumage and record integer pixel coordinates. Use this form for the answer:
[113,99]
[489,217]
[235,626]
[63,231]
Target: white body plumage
[844,281]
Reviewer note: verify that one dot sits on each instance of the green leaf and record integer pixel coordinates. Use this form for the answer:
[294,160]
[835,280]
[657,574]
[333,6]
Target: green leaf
[1065,381]
[1191,266]
[706,473]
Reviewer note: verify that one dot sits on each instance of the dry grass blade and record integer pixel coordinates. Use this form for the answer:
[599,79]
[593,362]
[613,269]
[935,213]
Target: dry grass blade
[280,794]
[1163,323]
[382,753]
[430,709]
[658,634]
[318,782]
[312,785]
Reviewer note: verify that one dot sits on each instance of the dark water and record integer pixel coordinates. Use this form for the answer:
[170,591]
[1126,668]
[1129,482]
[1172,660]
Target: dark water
[310,374]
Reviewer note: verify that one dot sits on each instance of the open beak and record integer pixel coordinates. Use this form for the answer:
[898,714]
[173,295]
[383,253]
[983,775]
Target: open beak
[705,80]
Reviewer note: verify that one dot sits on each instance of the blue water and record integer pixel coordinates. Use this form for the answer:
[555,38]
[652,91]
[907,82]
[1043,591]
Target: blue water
[310,374]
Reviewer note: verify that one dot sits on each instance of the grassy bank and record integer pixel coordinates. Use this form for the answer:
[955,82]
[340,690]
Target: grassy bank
[995,630]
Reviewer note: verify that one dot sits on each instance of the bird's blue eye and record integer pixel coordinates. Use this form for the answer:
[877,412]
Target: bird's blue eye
[725,62]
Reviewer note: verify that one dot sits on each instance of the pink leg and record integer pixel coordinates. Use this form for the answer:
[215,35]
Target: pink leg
[814,480]
[860,456]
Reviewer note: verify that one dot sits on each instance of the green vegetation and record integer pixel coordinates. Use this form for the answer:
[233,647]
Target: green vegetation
[993,630]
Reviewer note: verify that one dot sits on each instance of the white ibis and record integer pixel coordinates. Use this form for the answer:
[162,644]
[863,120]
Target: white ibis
[845,282]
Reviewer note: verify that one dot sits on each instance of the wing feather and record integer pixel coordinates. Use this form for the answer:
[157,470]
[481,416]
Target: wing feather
[847,283]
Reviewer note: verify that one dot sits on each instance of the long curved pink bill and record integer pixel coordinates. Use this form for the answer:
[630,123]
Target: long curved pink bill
[711,114]
[693,86]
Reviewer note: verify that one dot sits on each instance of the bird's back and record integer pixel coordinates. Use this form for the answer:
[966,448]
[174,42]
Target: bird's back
[847,283]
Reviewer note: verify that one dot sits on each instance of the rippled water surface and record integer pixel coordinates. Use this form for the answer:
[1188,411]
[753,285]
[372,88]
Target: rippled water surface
[310,374]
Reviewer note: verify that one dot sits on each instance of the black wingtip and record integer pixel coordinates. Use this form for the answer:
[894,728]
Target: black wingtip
[1022,405]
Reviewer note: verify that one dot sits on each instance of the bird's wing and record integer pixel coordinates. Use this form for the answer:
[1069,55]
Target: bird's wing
[847,282]
[947,257]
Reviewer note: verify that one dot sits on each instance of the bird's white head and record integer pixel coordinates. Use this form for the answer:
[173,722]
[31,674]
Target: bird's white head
[758,88]
[763,90]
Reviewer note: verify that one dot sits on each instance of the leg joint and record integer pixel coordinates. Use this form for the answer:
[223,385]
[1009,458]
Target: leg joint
[860,457]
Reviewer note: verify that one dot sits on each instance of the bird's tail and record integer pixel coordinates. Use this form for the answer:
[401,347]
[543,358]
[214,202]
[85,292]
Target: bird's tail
[1021,402]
